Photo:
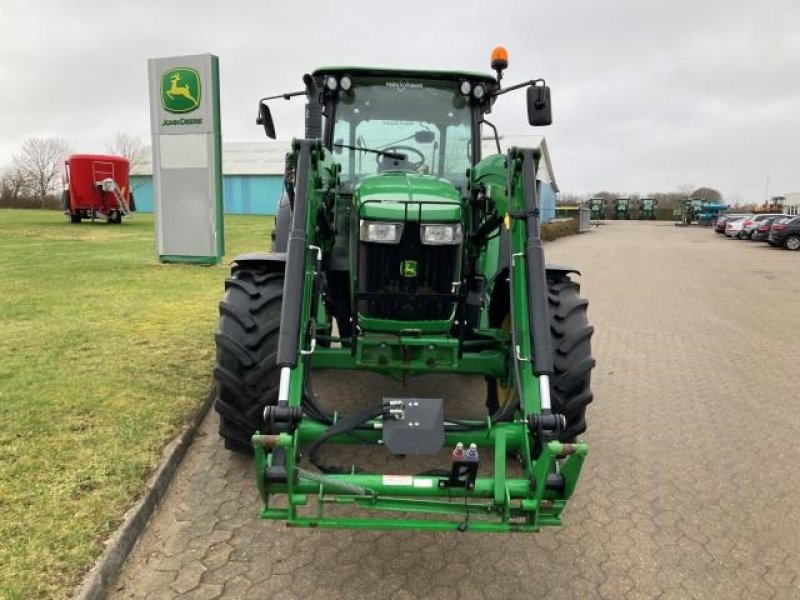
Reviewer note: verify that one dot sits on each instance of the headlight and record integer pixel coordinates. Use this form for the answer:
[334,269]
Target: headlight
[479,91]
[331,83]
[381,233]
[346,83]
[449,233]
[465,87]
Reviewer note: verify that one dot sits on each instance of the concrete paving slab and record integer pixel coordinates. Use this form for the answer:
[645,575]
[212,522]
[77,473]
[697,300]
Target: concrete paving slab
[691,488]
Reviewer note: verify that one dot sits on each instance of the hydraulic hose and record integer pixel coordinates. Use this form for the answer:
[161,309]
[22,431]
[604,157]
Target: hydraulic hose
[296,247]
[537,278]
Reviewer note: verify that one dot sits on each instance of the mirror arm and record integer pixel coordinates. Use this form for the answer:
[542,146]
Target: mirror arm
[517,86]
[285,96]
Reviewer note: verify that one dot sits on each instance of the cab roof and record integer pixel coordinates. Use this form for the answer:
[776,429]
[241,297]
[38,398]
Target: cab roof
[412,73]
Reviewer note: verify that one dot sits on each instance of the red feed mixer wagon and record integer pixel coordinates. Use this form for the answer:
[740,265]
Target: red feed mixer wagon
[96,187]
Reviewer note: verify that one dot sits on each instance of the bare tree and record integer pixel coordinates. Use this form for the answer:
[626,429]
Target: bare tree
[40,162]
[130,146]
[13,184]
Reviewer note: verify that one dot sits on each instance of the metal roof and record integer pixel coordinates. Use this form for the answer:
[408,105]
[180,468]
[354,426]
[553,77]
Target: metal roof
[268,157]
[238,158]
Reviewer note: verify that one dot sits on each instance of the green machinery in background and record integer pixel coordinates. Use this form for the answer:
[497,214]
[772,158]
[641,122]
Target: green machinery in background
[598,208]
[703,212]
[647,208]
[621,208]
[427,257]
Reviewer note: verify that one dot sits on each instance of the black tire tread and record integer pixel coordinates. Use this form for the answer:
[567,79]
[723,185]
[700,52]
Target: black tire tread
[570,385]
[247,340]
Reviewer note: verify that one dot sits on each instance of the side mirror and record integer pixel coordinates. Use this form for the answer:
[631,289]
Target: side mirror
[539,108]
[424,137]
[265,118]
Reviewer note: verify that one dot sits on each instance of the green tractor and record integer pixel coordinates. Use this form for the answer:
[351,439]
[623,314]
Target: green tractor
[400,250]
[598,208]
[647,209]
[622,209]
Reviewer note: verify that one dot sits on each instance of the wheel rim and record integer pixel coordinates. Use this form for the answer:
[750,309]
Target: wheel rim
[793,243]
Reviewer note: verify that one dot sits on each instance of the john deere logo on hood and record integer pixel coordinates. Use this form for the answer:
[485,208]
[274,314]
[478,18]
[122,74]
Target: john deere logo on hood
[180,90]
[408,268]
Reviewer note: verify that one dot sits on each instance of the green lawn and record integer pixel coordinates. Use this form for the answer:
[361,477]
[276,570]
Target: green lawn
[104,354]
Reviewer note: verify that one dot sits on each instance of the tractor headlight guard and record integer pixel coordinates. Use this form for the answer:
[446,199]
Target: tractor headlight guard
[381,232]
[444,233]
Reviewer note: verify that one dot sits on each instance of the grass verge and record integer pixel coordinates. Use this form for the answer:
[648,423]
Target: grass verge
[104,353]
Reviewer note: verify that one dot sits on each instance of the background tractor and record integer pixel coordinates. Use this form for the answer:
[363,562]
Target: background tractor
[399,249]
[704,212]
[647,208]
[622,209]
[598,208]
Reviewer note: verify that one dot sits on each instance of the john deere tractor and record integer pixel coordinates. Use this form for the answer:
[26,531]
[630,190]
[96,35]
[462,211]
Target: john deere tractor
[647,208]
[622,208]
[598,208]
[401,250]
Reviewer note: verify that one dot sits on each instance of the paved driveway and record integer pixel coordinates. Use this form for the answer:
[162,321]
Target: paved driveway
[691,488]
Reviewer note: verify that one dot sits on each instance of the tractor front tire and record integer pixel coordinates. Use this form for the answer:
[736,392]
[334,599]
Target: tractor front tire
[570,334]
[246,374]
[570,389]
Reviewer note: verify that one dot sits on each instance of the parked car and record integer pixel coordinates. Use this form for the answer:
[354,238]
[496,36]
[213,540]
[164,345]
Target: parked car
[719,226]
[761,232]
[749,225]
[786,234]
[734,226]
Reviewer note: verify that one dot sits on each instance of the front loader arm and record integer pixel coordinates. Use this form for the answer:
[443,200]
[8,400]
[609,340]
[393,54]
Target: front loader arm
[496,501]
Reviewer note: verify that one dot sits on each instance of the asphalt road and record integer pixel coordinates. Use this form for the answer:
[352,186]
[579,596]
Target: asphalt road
[691,488]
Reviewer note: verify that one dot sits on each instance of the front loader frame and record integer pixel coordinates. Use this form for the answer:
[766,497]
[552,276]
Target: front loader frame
[498,503]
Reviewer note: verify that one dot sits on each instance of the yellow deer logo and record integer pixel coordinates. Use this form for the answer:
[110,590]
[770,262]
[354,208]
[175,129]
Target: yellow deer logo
[179,90]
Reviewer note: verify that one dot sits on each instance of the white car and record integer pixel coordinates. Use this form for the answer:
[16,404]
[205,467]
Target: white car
[734,226]
[751,224]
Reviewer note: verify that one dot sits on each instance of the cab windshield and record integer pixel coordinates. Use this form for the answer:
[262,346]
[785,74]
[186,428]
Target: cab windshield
[424,125]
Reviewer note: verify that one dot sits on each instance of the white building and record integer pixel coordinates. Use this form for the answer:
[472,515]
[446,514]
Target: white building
[791,203]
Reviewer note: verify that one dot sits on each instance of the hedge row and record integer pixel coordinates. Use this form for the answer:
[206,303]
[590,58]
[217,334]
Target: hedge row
[50,203]
[552,230]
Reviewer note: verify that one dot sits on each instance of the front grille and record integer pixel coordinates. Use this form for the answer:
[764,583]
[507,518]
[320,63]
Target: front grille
[384,292]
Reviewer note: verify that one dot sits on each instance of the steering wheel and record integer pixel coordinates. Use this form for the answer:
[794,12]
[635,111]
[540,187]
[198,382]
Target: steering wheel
[384,161]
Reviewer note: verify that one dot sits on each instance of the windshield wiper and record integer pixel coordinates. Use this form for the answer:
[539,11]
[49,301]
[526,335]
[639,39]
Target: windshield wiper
[387,153]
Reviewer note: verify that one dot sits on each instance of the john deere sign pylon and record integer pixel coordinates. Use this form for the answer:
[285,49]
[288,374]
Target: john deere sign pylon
[187,158]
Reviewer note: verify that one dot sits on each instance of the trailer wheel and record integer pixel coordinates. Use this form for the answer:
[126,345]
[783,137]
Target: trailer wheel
[247,344]
[570,388]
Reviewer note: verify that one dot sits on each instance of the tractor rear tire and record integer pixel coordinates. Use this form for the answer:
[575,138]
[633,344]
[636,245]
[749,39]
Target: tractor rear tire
[570,384]
[246,374]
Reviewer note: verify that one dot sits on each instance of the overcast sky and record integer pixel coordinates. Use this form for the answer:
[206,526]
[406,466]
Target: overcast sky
[647,96]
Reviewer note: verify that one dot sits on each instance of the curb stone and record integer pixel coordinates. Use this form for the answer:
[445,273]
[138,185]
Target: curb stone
[98,582]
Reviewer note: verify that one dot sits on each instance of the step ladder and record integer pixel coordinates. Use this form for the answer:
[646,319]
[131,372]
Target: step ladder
[110,186]
[103,177]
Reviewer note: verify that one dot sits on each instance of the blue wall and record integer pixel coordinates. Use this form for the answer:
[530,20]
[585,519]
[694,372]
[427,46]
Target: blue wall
[259,195]
[547,202]
[241,194]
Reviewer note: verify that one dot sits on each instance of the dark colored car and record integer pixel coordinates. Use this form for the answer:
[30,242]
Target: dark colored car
[761,232]
[786,234]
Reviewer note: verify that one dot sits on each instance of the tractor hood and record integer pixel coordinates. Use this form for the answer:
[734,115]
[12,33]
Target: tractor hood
[407,197]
